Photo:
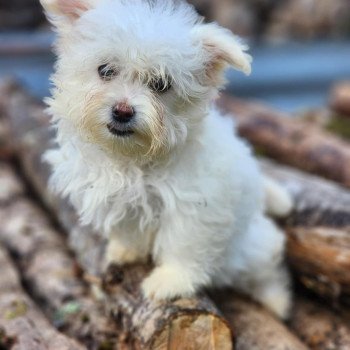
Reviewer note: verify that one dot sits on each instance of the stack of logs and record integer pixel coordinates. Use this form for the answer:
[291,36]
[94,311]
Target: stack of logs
[280,19]
[271,19]
[54,296]
[20,14]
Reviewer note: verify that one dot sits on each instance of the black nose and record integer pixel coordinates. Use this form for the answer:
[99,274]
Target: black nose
[123,113]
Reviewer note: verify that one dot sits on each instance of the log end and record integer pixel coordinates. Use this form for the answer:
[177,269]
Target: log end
[185,323]
[197,331]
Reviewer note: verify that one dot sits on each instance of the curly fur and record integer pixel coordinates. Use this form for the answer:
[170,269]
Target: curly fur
[183,188]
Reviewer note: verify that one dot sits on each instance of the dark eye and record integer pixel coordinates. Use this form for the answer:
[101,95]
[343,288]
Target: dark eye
[160,84]
[107,72]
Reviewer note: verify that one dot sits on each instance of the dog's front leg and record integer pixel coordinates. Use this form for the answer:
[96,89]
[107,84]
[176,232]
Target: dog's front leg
[123,249]
[182,252]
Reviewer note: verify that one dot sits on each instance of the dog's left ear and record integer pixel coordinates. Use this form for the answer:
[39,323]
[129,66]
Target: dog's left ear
[67,10]
[221,49]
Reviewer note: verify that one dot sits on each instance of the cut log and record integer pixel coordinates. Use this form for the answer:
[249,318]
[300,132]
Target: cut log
[10,188]
[318,327]
[186,323]
[5,149]
[297,143]
[20,15]
[48,268]
[321,257]
[22,325]
[318,231]
[181,324]
[340,99]
[317,202]
[307,20]
[255,327]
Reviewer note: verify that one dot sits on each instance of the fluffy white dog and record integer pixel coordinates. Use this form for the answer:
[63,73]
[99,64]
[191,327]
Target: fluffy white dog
[145,157]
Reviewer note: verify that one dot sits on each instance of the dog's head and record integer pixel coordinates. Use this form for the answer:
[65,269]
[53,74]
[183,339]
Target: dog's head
[136,76]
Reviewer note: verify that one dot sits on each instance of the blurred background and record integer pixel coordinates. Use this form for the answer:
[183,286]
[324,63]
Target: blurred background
[301,48]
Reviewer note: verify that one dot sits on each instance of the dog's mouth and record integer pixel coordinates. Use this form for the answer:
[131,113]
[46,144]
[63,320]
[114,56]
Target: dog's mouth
[119,131]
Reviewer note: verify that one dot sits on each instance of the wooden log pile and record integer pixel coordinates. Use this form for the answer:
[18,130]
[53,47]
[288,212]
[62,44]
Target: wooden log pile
[22,324]
[271,19]
[55,264]
[20,14]
[280,20]
[308,19]
[48,268]
[318,234]
[303,145]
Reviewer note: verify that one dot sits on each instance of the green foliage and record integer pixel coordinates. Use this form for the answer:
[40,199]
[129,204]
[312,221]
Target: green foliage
[69,309]
[260,151]
[340,126]
[107,345]
[18,309]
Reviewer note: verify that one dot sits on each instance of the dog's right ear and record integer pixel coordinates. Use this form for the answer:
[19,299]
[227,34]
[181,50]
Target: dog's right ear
[65,10]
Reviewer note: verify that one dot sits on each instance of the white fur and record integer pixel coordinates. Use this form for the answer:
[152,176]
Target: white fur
[183,188]
[278,202]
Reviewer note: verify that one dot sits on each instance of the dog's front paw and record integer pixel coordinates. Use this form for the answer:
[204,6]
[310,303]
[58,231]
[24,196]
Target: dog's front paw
[119,254]
[168,282]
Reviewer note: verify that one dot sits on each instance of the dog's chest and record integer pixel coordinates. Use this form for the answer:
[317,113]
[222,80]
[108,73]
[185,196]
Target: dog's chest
[127,198]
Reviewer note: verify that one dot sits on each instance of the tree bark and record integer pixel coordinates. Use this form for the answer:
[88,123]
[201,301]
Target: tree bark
[185,323]
[48,268]
[320,328]
[317,202]
[22,325]
[340,99]
[318,231]
[5,149]
[297,143]
[182,324]
[256,327]
[20,14]
[321,258]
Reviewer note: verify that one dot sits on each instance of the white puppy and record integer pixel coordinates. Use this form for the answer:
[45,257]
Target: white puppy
[145,157]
